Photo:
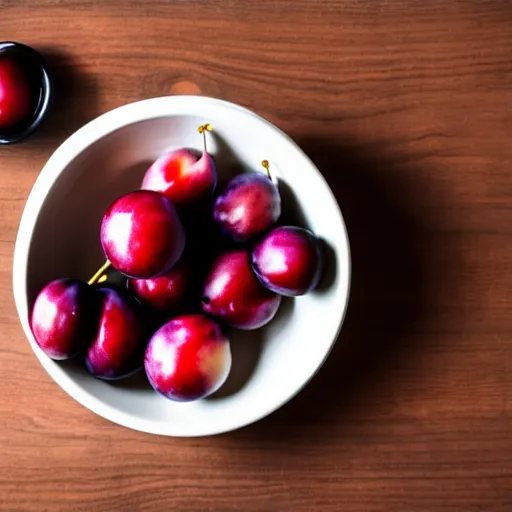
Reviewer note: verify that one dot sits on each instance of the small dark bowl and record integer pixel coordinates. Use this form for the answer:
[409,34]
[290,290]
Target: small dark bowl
[33,65]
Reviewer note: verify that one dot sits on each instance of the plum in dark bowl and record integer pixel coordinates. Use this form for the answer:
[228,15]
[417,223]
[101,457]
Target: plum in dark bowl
[25,91]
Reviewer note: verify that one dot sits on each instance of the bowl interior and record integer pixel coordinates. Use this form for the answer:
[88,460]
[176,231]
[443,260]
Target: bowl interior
[59,236]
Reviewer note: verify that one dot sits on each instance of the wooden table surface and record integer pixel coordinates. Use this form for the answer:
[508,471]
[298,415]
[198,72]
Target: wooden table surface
[406,107]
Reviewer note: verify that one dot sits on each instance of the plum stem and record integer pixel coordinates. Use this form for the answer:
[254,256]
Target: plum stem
[96,277]
[266,165]
[203,129]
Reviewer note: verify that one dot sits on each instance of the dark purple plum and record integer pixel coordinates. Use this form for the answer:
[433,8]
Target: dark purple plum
[142,235]
[121,335]
[249,205]
[233,294]
[188,358]
[63,316]
[289,261]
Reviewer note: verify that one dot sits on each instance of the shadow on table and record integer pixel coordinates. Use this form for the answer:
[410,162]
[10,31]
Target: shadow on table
[75,96]
[388,295]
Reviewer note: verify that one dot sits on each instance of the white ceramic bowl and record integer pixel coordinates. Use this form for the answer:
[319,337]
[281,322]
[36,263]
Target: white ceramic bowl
[59,237]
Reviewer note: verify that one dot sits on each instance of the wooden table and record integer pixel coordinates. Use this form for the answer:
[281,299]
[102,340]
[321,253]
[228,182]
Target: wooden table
[406,107]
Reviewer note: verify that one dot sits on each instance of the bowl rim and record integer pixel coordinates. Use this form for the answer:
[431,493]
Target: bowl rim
[74,145]
[46,98]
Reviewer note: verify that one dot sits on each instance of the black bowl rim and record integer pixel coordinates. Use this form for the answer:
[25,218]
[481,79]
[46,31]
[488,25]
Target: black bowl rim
[44,104]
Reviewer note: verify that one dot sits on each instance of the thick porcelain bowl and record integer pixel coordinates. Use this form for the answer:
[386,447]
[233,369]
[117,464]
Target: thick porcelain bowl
[59,237]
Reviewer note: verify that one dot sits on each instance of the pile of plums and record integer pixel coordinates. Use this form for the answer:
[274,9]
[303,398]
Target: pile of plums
[193,262]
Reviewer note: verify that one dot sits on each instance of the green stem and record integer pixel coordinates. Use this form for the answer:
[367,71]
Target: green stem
[203,129]
[266,165]
[100,272]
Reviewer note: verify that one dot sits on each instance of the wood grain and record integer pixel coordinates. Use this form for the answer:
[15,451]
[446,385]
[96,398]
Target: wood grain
[406,107]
